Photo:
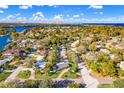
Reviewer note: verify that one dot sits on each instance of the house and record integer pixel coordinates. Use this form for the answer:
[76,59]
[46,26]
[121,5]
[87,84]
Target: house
[61,66]
[122,65]
[112,56]
[105,51]
[4,61]
[63,54]
[40,65]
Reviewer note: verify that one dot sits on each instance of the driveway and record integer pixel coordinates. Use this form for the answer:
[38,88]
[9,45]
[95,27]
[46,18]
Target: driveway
[90,81]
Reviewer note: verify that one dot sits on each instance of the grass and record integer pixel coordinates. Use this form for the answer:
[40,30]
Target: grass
[105,86]
[4,75]
[24,74]
[55,74]
[52,75]
[70,75]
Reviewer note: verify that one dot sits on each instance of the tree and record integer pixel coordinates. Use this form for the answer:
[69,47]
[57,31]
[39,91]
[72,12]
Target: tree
[108,69]
[73,58]
[14,34]
[74,85]
[95,66]
[92,46]
[46,83]
[119,83]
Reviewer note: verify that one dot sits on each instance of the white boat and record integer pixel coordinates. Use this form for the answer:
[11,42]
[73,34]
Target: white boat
[8,40]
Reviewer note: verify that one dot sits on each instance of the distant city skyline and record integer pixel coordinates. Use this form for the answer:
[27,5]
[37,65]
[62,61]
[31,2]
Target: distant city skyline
[62,14]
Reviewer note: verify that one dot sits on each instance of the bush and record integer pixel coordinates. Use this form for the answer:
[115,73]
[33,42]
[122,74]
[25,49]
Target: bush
[119,83]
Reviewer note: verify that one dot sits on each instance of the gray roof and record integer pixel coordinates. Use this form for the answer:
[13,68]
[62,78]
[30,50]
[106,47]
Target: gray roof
[6,60]
[40,65]
[62,65]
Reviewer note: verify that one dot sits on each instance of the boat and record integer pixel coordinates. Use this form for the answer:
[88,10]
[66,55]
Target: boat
[9,40]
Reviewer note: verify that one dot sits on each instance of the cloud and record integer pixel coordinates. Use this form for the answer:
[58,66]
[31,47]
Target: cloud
[12,16]
[55,6]
[38,16]
[4,6]
[98,13]
[82,14]
[96,6]
[67,15]
[25,6]
[59,16]
[22,19]
[1,12]
[76,16]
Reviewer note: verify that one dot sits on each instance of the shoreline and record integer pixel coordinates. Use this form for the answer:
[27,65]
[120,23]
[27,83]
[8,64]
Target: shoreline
[4,35]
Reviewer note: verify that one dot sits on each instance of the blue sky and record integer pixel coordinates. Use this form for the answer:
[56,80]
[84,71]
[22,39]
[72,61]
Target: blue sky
[62,13]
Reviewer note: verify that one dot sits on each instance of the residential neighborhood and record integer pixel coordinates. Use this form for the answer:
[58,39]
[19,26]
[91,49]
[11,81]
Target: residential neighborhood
[65,55]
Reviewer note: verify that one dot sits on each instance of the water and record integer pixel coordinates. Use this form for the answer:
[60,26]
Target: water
[4,39]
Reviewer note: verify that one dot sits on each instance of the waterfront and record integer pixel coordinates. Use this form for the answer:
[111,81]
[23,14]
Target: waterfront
[4,39]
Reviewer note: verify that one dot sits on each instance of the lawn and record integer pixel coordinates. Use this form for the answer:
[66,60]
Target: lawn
[24,74]
[52,75]
[106,86]
[4,75]
[70,75]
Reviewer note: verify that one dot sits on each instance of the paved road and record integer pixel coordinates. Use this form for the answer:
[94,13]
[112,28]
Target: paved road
[14,74]
[87,78]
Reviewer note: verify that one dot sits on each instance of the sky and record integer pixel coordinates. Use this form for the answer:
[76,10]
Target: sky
[62,14]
